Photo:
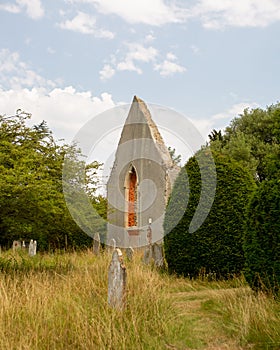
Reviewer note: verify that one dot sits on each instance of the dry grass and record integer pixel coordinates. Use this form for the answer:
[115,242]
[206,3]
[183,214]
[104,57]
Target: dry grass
[60,302]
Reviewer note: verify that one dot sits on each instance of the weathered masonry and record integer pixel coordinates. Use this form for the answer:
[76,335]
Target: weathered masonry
[140,182]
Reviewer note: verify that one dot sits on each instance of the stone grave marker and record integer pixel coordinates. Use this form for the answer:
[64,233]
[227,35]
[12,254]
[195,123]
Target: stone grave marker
[129,253]
[32,249]
[158,255]
[116,281]
[96,243]
[16,245]
[148,255]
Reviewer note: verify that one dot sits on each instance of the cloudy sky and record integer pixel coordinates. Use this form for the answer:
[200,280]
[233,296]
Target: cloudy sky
[65,61]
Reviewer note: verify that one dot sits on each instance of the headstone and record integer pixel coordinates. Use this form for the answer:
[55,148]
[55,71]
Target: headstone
[148,255]
[96,243]
[16,245]
[149,234]
[158,255]
[23,245]
[129,253]
[32,248]
[116,281]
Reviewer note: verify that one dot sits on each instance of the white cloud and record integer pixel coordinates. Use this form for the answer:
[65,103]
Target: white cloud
[168,67]
[239,13]
[16,74]
[149,38]
[86,24]
[154,13]
[234,111]
[135,53]
[214,14]
[59,107]
[12,8]
[171,57]
[107,72]
[128,65]
[33,8]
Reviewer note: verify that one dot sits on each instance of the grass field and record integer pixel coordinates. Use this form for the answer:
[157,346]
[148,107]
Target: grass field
[59,301]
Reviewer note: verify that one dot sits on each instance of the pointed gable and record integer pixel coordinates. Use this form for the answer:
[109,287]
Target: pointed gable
[134,201]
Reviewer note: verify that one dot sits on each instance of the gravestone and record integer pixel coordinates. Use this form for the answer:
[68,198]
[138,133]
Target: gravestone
[154,254]
[32,248]
[96,244]
[16,245]
[148,255]
[158,255]
[129,253]
[116,281]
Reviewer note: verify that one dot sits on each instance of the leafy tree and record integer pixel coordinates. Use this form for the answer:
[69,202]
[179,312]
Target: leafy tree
[32,203]
[216,246]
[253,139]
[262,238]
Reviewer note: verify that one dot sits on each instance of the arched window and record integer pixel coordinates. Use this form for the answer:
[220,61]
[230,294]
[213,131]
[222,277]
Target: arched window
[131,197]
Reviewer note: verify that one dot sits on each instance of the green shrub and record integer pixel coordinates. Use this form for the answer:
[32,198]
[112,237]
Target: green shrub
[214,248]
[262,238]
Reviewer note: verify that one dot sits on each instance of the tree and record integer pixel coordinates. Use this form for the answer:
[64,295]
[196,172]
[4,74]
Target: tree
[32,203]
[253,139]
[175,158]
[262,238]
[216,246]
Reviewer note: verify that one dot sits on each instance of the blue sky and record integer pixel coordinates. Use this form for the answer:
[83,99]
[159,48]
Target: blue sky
[65,61]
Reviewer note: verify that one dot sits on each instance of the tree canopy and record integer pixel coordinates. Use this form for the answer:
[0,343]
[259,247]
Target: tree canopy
[32,203]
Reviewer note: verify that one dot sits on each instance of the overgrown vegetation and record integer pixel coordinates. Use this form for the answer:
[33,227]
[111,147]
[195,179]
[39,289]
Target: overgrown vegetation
[67,309]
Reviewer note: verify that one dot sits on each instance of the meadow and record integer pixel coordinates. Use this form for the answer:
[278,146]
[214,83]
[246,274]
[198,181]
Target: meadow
[59,301]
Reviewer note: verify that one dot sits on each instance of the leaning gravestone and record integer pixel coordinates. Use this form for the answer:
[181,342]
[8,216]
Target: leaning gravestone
[96,243]
[116,281]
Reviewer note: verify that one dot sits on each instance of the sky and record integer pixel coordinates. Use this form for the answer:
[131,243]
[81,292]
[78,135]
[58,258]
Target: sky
[66,61]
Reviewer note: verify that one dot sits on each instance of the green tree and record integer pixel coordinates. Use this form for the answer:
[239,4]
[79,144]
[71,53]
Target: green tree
[253,139]
[262,238]
[216,246]
[32,202]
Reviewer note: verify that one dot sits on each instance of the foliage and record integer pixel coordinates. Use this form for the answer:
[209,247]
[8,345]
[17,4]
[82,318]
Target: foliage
[32,203]
[262,238]
[175,158]
[253,139]
[216,246]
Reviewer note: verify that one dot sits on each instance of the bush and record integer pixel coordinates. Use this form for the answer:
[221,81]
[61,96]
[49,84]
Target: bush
[216,246]
[262,238]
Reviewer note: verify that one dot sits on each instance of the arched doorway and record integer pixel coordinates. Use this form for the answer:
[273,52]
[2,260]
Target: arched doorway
[131,197]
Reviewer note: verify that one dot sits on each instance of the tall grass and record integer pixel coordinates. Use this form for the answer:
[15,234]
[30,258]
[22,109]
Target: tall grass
[60,302]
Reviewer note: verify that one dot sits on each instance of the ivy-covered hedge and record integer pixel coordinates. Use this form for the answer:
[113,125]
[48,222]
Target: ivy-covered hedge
[216,246]
[262,238]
